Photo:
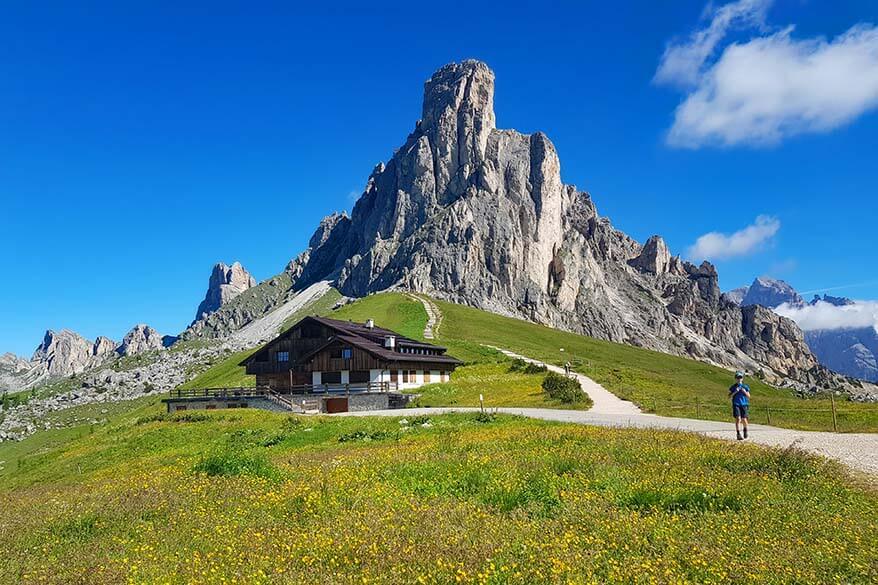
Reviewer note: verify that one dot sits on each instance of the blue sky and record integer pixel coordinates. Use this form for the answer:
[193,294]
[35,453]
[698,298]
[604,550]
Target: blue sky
[141,144]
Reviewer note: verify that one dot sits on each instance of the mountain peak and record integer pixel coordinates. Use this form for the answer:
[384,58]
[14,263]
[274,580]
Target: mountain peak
[464,88]
[771,293]
[226,282]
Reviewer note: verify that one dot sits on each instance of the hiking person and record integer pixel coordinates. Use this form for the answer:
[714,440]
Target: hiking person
[567,369]
[740,395]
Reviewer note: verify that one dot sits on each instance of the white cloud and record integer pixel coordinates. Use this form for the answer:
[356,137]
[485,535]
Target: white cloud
[771,87]
[823,315]
[717,246]
[682,63]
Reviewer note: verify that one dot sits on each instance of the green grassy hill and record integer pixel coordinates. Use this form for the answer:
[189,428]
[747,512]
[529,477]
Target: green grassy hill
[657,382]
[133,495]
[259,497]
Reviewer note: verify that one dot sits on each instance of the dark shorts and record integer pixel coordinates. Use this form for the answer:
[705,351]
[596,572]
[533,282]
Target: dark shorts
[740,411]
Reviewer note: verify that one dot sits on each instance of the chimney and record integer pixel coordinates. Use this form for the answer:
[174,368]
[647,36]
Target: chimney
[370,324]
[389,341]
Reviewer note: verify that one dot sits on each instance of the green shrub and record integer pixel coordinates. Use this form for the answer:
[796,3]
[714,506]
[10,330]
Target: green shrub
[366,436]
[525,367]
[517,365]
[485,416]
[232,462]
[562,388]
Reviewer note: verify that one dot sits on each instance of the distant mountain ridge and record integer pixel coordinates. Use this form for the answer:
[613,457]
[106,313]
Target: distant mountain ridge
[771,293]
[849,351]
[65,353]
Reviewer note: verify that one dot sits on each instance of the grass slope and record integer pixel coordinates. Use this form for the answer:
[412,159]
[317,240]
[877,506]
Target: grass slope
[486,372]
[258,497]
[657,382]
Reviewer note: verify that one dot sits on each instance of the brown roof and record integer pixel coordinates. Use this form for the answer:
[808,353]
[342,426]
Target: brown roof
[371,339]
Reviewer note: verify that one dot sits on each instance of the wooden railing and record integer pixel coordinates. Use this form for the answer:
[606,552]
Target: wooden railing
[353,387]
[261,391]
[240,392]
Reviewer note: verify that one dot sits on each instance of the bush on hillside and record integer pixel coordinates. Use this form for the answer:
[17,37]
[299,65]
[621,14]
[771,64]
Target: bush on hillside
[562,388]
[525,367]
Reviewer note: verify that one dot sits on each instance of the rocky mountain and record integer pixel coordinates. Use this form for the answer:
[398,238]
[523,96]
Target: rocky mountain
[850,351]
[243,309]
[834,301]
[103,346]
[140,339]
[64,353]
[226,282]
[479,215]
[771,293]
[12,370]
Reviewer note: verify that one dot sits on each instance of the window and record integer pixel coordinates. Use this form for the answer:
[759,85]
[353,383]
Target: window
[283,356]
[358,376]
[347,353]
[405,376]
[331,378]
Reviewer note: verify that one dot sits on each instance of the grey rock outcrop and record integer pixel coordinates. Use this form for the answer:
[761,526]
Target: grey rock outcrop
[103,346]
[14,372]
[478,215]
[140,339]
[252,304]
[226,282]
[63,353]
[736,295]
[655,258]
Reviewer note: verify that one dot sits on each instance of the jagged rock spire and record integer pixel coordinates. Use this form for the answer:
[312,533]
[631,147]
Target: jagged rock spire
[226,282]
[458,117]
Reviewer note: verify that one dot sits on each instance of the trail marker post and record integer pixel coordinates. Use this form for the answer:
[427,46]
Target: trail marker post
[834,416]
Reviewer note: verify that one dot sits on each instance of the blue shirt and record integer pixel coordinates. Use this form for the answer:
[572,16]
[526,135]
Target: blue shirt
[739,398]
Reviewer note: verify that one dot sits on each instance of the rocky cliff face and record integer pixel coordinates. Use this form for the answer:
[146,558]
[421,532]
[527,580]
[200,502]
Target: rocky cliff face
[479,215]
[141,338]
[64,353]
[13,371]
[226,282]
[103,346]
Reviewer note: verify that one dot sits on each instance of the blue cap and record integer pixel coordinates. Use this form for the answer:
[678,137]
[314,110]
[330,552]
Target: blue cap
[739,374]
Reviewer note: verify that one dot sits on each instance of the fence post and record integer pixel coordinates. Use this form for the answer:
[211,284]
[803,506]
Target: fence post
[697,408]
[768,410]
[834,417]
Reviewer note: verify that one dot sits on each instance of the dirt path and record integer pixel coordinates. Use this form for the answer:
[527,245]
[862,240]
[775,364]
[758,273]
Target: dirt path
[434,316]
[604,401]
[857,450]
